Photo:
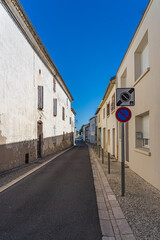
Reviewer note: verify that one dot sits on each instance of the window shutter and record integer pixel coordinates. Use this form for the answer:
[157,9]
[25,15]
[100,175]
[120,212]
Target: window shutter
[40,97]
[54,85]
[63,113]
[55,107]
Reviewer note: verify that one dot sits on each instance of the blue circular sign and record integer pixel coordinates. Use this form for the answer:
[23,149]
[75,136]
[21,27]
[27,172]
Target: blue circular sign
[123,114]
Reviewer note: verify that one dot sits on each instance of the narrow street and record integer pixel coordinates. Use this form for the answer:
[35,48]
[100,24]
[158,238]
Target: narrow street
[56,202]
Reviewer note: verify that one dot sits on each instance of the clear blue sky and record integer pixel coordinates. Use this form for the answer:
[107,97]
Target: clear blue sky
[87,40]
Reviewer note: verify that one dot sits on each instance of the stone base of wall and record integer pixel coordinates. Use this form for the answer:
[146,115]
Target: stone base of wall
[17,154]
[14,154]
[51,145]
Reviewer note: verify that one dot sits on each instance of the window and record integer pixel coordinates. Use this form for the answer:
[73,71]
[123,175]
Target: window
[108,109]
[108,136]
[124,79]
[70,121]
[55,107]
[54,85]
[142,57]
[63,113]
[103,113]
[67,102]
[142,131]
[54,134]
[40,97]
[113,103]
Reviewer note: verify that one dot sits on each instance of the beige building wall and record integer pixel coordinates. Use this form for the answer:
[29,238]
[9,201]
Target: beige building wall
[107,124]
[99,127]
[111,123]
[140,69]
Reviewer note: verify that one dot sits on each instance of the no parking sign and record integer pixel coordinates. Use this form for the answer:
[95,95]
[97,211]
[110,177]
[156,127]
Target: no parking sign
[123,114]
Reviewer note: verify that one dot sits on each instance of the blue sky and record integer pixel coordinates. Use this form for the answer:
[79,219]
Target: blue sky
[87,40]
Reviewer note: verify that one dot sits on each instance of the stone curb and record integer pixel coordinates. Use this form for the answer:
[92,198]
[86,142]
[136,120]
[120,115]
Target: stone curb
[31,171]
[113,224]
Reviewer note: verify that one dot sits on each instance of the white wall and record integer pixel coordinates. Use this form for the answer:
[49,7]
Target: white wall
[19,80]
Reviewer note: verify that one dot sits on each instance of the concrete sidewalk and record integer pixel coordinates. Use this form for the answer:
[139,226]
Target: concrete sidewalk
[114,225]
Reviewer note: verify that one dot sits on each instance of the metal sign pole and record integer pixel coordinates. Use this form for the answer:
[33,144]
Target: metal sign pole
[122,162]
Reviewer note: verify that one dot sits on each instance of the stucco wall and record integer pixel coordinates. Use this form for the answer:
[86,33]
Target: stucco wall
[147,97]
[111,123]
[19,80]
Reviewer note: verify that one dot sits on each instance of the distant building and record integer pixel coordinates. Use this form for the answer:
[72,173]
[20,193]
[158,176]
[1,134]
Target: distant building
[93,130]
[86,133]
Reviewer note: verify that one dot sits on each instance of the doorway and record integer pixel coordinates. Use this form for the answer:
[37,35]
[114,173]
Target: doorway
[39,138]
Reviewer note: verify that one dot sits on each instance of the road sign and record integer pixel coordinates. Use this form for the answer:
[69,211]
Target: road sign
[125,97]
[123,114]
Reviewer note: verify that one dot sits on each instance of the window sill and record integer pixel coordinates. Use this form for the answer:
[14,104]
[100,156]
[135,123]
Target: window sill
[143,151]
[142,75]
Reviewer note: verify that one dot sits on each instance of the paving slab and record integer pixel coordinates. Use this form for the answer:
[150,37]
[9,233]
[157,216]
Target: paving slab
[106,228]
[114,203]
[118,214]
[100,199]
[128,237]
[111,197]
[124,226]
[103,215]
[102,206]
[108,238]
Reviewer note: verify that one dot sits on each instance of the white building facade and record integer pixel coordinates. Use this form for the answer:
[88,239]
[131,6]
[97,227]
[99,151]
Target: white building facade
[35,113]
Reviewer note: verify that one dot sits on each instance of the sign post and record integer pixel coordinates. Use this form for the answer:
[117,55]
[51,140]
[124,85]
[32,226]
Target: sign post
[122,162]
[123,115]
[124,97]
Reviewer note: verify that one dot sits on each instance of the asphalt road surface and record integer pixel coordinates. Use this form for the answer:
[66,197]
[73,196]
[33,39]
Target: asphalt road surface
[57,202]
